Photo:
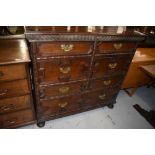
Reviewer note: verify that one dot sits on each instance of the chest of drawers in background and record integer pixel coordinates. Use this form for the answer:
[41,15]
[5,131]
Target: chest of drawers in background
[75,72]
[16,108]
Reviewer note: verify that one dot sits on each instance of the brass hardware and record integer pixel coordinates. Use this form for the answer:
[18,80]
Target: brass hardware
[6,108]
[62,105]
[67,48]
[106,83]
[112,65]
[64,90]
[12,122]
[1,74]
[102,97]
[3,92]
[117,46]
[65,70]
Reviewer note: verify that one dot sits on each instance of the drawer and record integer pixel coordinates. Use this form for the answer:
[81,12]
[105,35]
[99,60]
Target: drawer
[64,48]
[106,47]
[12,72]
[14,104]
[60,106]
[107,82]
[63,70]
[61,89]
[16,119]
[110,64]
[14,88]
[100,97]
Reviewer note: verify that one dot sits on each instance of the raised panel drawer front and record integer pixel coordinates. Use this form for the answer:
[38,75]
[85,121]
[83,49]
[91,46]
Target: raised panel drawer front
[110,64]
[61,89]
[14,88]
[110,47]
[100,97]
[12,72]
[63,70]
[60,106]
[14,104]
[15,119]
[64,48]
[107,82]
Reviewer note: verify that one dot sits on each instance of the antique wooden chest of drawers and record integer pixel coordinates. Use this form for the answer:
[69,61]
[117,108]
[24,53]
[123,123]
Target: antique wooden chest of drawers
[77,71]
[16,108]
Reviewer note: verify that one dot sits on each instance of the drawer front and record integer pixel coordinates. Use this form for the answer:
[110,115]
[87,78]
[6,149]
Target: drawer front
[106,47]
[16,119]
[14,88]
[14,104]
[107,65]
[63,70]
[64,48]
[61,90]
[60,106]
[100,97]
[12,72]
[107,82]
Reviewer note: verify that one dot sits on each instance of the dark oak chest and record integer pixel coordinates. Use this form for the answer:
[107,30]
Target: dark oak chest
[75,72]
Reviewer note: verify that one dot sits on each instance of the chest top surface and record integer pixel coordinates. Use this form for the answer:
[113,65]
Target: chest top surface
[13,51]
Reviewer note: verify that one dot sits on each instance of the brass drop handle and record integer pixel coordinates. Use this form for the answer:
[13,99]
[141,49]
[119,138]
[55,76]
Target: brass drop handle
[63,105]
[1,74]
[64,90]
[67,47]
[118,46]
[102,97]
[11,121]
[65,70]
[6,108]
[3,92]
[112,65]
[107,82]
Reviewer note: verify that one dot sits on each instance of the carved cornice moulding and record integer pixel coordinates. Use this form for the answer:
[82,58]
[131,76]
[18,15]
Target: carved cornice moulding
[83,37]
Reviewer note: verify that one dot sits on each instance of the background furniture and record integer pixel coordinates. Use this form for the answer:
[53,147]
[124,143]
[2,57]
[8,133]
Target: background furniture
[150,71]
[16,108]
[11,30]
[77,69]
[135,76]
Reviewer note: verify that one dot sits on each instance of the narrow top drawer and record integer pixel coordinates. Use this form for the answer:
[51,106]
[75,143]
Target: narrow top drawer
[64,48]
[105,47]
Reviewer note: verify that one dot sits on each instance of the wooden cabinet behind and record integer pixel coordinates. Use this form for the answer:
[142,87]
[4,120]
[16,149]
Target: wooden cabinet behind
[136,76]
[16,105]
[75,72]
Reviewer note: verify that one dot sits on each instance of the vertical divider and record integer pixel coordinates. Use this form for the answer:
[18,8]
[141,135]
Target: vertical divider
[91,64]
[33,49]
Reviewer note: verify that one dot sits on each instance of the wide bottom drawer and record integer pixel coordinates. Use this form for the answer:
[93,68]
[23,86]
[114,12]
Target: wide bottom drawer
[13,120]
[60,106]
[64,105]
